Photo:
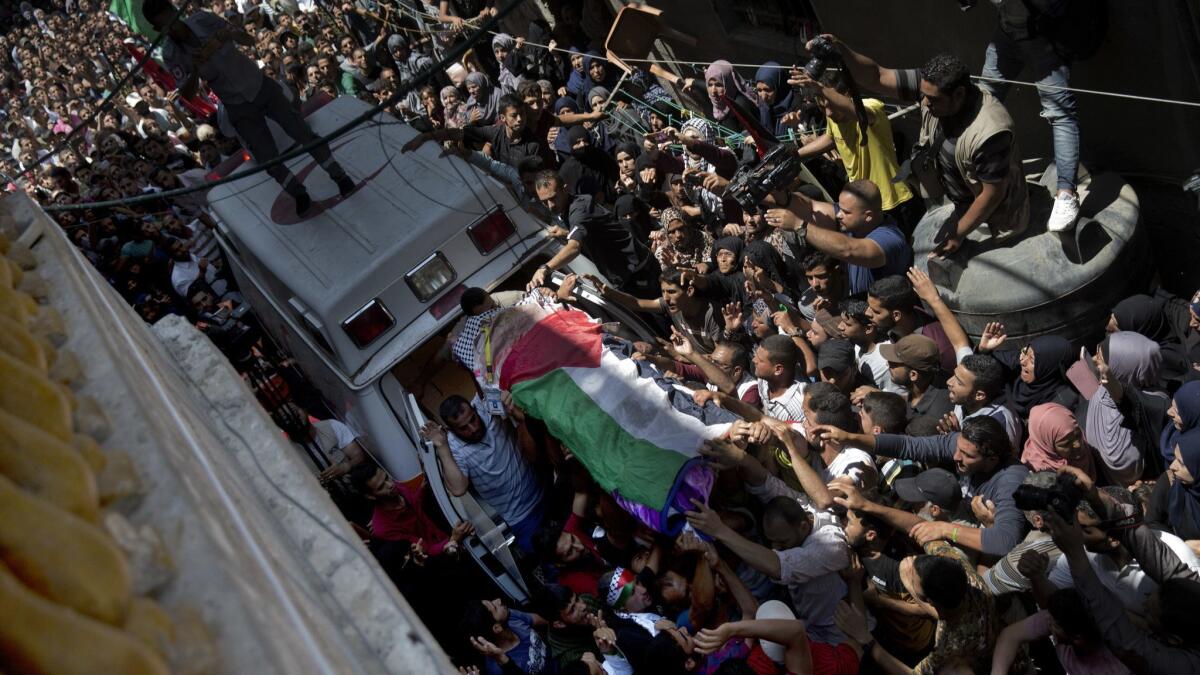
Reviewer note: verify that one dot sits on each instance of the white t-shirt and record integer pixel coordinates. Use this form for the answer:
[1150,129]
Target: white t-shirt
[855,463]
[1129,583]
[789,407]
[873,365]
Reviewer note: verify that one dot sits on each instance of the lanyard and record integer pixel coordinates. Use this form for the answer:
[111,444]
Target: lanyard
[487,352]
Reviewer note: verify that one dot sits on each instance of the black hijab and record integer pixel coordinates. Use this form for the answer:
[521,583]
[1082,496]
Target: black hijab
[1147,315]
[634,213]
[1143,314]
[1051,358]
[735,245]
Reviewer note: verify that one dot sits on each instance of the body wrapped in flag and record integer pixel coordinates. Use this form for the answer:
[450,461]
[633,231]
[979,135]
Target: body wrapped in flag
[636,433]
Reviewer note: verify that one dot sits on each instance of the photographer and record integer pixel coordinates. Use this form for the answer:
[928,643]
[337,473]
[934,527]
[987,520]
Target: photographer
[874,160]
[1168,643]
[967,151]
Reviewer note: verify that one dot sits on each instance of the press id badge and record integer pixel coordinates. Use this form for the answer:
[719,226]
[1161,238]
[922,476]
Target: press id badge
[492,401]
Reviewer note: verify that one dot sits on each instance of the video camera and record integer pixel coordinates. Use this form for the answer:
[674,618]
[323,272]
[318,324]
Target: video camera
[824,54]
[1062,499]
[774,172]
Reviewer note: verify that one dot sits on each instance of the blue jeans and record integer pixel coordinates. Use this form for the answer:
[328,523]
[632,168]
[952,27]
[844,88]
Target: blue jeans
[1005,59]
[523,531]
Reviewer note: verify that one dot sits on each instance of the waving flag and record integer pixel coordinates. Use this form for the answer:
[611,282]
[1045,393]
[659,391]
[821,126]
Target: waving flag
[636,433]
[130,11]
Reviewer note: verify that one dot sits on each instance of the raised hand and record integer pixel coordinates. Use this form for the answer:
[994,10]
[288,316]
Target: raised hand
[680,344]
[948,424]
[923,285]
[993,336]
[434,433]
[732,314]
[724,454]
[705,519]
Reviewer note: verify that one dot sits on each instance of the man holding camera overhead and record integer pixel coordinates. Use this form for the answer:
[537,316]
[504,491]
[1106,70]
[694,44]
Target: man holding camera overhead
[967,149]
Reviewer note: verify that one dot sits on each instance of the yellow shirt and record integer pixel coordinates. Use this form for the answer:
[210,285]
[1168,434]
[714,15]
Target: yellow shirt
[876,161]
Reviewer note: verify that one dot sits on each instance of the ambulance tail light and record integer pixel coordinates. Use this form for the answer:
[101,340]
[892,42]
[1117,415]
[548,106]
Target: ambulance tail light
[368,323]
[490,232]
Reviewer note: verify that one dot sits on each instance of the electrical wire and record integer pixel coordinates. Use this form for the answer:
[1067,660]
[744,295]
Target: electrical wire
[451,56]
[978,78]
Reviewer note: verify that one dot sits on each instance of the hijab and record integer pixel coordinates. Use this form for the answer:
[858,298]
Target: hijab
[735,86]
[1050,360]
[734,245]
[509,78]
[670,215]
[455,113]
[771,74]
[1050,423]
[761,254]
[1132,358]
[1184,500]
[628,148]
[1147,315]
[635,213]
[1187,404]
[577,82]
[504,41]
[487,100]
[602,92]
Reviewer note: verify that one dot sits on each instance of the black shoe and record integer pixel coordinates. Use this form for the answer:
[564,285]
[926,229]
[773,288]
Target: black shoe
[345,186]
[303,202]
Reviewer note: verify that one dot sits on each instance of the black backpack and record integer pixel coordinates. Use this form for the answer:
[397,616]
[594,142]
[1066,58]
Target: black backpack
[1076,32]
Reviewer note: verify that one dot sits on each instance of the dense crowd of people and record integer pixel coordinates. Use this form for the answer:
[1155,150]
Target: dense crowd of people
[895,497]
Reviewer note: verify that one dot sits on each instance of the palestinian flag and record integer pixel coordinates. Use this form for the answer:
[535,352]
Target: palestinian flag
[130,11]
[637,433]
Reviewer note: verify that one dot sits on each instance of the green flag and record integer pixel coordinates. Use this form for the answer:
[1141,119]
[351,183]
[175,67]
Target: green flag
[130,11]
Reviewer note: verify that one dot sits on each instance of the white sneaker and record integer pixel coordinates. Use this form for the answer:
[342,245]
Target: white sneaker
[1065,212]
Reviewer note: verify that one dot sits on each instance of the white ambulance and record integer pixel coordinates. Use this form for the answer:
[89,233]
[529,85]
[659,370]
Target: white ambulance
[363,290]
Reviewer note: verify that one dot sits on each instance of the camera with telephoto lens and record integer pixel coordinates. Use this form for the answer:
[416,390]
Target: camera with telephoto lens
[776,171]
[824,54]
[1062,499]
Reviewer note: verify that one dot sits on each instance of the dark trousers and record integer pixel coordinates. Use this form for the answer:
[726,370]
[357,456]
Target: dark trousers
[250,121]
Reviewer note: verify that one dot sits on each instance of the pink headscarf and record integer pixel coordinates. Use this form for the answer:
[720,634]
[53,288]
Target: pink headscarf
[734,85]
[1049,423]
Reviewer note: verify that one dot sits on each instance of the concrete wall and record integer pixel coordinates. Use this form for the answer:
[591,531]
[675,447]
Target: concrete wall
[1150,50]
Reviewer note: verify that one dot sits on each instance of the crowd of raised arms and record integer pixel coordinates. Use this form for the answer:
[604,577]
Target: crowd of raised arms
[895,497]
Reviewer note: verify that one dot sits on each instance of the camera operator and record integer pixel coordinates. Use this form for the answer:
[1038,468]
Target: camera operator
[873,245]
[1167,642]
[967,150]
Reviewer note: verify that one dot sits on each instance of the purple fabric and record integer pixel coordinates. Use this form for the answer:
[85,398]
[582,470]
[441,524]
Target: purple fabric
[695,482]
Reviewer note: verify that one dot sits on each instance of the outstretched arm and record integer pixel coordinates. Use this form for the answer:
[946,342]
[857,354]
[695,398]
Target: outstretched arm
[929,293]
[866,72]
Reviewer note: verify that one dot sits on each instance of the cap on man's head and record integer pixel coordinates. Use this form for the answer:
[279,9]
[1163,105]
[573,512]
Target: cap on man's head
[915,351]
[836,354]
[829,322]
[936,486]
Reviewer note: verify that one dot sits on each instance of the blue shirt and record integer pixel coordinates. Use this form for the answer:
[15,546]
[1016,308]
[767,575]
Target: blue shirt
[496,469]
[530,654]
[898,257]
